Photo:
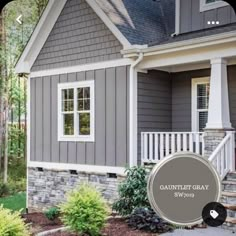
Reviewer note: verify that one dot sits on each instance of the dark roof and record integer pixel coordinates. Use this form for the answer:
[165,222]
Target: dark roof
[198,34]
[142,21]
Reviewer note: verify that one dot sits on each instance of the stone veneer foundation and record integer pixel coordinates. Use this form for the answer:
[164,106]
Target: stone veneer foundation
[47,187]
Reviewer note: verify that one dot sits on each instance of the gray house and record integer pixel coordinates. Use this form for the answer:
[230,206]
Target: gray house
[119,83]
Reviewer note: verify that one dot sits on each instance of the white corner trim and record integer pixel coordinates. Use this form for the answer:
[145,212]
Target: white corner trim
[28,135]
[78,167]
[85,67]
[111,26]
[76,137]
[133,112]
[210,6]
[195,82]
[40,35]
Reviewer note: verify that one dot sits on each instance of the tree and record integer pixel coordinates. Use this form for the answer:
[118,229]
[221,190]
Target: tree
[13,38]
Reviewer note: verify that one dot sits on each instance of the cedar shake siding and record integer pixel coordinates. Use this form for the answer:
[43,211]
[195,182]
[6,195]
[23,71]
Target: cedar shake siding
[111,120]
[78,37]
[154,103]
[191,19]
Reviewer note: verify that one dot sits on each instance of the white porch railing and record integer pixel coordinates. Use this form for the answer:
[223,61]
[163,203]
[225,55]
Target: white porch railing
[223,158]
[156,146]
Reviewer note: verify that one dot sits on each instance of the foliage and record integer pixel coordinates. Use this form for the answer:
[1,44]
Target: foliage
[85,211]
[17,168]
[132,192]
[52,213]
[11,223]
[4,190]
[147,220]
[16,186]
[15,202]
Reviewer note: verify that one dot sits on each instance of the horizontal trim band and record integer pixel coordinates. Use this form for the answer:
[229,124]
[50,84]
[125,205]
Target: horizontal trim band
[80,68]
[78,167]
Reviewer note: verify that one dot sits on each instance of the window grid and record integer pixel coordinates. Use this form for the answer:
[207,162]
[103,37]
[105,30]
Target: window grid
[83,118]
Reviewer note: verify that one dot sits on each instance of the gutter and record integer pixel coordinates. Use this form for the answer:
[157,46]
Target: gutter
[177,18]
[133,106]
[204,41]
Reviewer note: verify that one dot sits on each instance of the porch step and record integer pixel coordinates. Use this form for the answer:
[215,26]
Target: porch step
[229,206]
[229,185]
[231,220]
[231,176]
[229,194]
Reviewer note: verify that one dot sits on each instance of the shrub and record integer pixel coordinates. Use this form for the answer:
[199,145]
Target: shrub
[16,186]
[147,220]
[132,192]
[52,213]
[85,211]
[4,190]
[11,223]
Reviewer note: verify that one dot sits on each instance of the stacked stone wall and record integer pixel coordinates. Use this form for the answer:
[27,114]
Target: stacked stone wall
[48,188]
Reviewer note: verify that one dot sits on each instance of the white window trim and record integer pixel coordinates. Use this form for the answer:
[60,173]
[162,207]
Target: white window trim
[195,82]
[76,137]
[209,6]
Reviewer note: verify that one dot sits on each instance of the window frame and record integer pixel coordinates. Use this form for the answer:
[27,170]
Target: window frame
[195,110]
[210,6]
[76,137]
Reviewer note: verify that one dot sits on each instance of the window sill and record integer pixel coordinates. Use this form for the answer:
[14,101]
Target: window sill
[76,139]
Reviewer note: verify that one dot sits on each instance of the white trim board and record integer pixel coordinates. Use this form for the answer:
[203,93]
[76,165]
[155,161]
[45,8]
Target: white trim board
[76,137]
[195,82]
[40,35]
[85,67]
[111,26]
[78,167]
[210,6]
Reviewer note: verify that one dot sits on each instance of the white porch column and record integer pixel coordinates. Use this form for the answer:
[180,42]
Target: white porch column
[218,113]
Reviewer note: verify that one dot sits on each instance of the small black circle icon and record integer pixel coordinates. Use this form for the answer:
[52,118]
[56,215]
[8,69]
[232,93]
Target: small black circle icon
[214,214]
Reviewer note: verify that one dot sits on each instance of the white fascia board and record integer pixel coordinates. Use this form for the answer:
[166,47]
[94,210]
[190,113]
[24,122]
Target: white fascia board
[78,167]
[40,35]
[84,67]
[111,26]
[183,45]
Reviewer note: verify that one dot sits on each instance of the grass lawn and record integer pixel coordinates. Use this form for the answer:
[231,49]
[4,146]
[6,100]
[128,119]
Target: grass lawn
[15,202]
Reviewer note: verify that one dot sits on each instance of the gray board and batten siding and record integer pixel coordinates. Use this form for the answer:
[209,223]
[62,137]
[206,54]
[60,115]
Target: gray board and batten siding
[78,37]
[164,101]
[111,120]
[191,19]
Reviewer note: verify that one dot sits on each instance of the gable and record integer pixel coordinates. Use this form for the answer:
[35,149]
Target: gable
[78,37]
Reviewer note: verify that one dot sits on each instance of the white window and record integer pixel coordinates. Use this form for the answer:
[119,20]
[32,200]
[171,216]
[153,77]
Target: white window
[206,5]
[76,111]
[200,102]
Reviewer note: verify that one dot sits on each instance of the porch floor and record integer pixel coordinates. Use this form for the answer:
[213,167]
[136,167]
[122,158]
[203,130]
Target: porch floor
[198,232]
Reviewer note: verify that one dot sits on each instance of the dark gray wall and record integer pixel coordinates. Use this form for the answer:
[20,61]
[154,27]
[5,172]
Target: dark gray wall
[192,19]
[78,37]
[154,103]
[232,93]
[111,120]
[181,98]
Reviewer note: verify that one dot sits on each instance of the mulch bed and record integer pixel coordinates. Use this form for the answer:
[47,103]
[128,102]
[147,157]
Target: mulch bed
[38,222]
[114,227]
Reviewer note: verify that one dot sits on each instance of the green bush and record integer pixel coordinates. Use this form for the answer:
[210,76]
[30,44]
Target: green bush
[4,190]
[85,211]
[132,191]
[16,186]
[52,213]
[11,223]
